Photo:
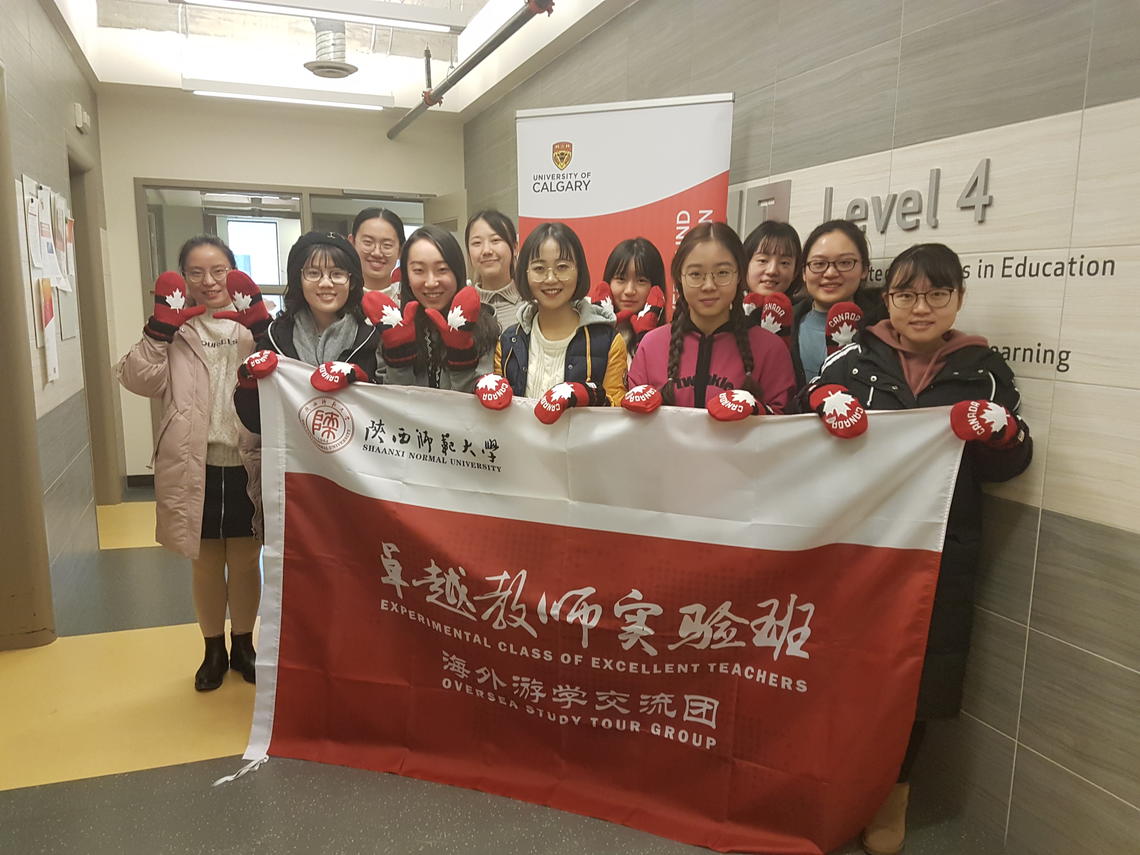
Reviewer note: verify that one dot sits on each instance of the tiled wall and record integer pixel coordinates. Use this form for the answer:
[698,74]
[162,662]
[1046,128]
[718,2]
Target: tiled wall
[867,97]
[43,81]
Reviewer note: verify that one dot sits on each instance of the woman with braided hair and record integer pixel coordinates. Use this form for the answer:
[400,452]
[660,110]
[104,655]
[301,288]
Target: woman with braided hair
[709,356]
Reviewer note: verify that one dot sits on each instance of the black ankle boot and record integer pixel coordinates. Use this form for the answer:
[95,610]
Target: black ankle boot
[243,657]
[214,665]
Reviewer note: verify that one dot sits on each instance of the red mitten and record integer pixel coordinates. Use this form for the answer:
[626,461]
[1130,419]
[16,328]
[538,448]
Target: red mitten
[332,376]
[642,399]
[985,422]
[752,302]
[602,295]
[842,414]
[170,309]
[651,313]
[397,329]
[257,365]
[776,316]
[456,330]
[562,397]
[842,321]
[250,309]
[734,406]
[494,392]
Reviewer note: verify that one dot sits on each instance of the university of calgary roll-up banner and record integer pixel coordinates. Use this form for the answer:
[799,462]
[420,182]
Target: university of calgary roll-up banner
[710,631]
[648,169]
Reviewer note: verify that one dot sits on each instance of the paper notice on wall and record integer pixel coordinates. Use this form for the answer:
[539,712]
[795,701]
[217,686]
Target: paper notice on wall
[32,220]
[25,265]
[50,329]
[70,255]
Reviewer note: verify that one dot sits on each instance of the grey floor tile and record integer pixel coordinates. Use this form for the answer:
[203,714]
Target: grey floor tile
[1080,711]
[752,135]
[740,58]
[1115,56]
[1087,586]
[116,589]
[664,46]
[60,434]
[918,14]
[290,806]
[1054,812]
[1004,63]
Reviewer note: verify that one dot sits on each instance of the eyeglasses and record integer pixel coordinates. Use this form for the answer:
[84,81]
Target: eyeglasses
[936,298]
[368,244]
[721,278]
[843,265]
[336,277]
[563,271]
[197,277]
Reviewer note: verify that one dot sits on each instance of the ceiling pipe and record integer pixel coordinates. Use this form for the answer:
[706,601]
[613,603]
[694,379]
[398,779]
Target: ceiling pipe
[432,96]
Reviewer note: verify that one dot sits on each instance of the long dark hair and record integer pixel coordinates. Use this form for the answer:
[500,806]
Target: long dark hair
[642,254]
[938,263]
[390,217]
[852,232]
[682,324]
[341,253]
[429,347]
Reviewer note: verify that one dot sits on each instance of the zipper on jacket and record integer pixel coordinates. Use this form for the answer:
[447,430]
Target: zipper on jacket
[222,516]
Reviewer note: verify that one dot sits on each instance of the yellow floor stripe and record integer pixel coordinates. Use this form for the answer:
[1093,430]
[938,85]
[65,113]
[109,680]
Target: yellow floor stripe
[90,705]
[127,525]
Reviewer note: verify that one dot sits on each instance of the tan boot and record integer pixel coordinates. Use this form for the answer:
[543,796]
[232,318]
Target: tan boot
[886,833]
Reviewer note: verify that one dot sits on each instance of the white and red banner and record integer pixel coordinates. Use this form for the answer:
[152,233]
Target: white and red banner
[648,169]
[710,631]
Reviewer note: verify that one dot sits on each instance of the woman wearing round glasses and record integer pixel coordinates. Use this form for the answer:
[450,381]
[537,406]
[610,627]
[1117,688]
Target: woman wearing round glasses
[564,349]
[915,358]
[322,320]
[836,261]
[378,236]
[188,357]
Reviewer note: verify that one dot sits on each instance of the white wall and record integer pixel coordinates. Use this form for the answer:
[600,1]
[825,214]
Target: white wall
[165,134]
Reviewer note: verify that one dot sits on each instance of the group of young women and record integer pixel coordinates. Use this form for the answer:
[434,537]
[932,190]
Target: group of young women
[763,326]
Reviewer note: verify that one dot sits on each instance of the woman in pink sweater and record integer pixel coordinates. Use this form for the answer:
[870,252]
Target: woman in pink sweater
[709,356]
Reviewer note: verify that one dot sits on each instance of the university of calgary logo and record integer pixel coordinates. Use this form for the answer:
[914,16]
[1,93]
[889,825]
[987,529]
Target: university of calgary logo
[562,153]
[328,423]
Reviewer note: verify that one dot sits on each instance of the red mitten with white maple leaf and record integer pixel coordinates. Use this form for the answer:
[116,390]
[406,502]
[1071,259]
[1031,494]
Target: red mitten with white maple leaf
[601,295]
[456,330]
[841,412]
[397,329]
[776,317]
[257,365]
[733,406]
[333,376]
[650,315]
[985,422]
[493,391]
[753,302]
[170,309]
[562,397]
[250,309]
[642,399]
[842,321]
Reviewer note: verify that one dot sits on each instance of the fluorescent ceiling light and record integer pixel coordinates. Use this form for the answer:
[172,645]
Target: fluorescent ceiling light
[375,12]
[286,95]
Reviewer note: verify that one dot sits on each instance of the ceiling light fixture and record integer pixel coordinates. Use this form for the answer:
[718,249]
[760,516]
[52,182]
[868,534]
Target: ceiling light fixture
[283,95]
[374,12]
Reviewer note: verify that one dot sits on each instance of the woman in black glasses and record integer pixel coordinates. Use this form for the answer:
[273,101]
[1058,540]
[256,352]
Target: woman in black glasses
[836,262]
[915,358]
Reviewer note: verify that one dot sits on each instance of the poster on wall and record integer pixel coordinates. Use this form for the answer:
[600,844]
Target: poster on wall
[648,169]
[25,263]
[50,331]
[32,220]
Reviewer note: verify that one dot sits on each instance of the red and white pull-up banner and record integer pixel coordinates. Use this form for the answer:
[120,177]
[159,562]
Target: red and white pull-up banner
[648,169]
[710,631]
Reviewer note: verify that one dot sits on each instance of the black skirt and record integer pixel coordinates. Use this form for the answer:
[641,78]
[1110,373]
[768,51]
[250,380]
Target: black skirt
[227,511]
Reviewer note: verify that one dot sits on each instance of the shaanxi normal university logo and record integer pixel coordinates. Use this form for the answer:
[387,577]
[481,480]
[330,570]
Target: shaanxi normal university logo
[562,153]
[328,423]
